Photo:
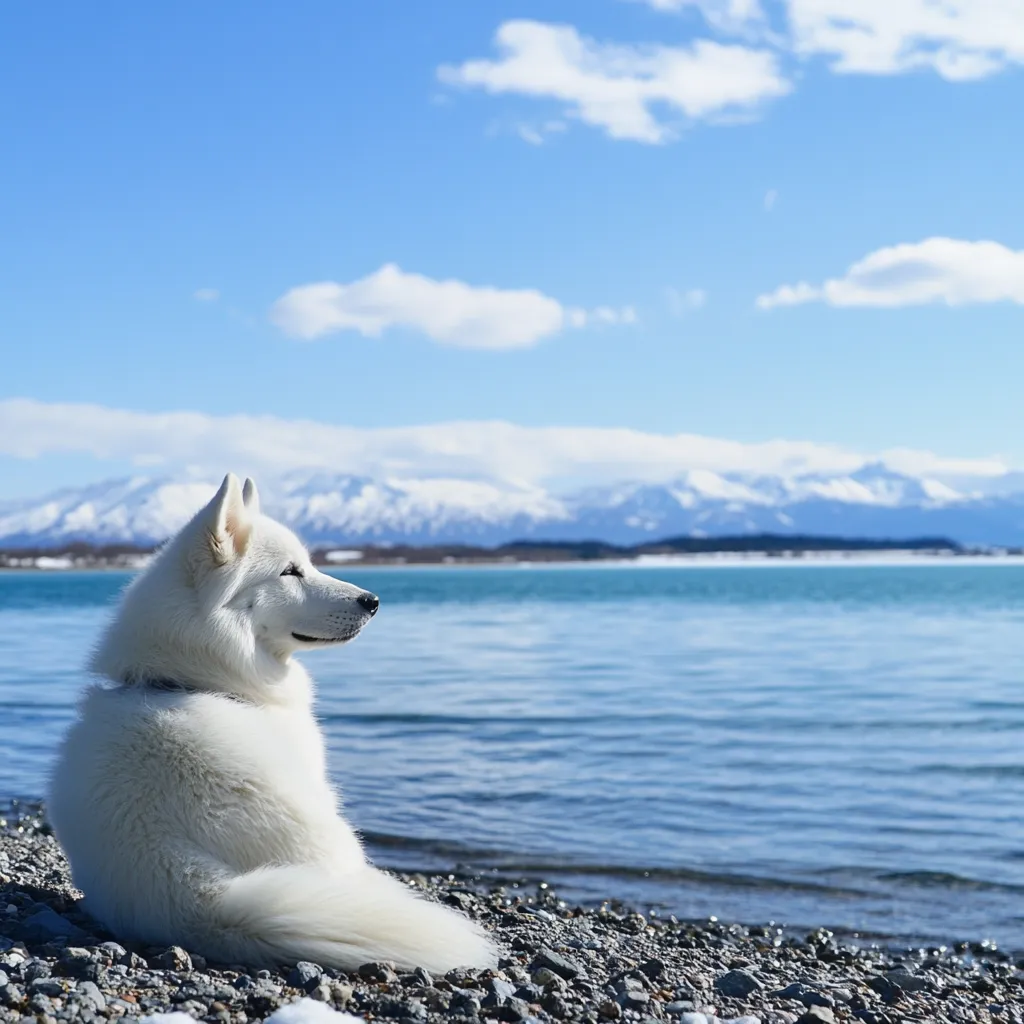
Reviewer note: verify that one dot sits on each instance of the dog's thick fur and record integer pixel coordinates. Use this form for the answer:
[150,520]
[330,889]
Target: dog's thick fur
[191,795]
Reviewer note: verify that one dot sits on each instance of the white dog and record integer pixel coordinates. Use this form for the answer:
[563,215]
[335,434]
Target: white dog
[191,795]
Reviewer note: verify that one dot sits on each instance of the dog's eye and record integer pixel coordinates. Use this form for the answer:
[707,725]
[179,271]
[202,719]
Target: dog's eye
[293,570]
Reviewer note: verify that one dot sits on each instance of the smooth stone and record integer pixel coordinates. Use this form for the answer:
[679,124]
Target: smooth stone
[737,984]
[560,965]
[305,975]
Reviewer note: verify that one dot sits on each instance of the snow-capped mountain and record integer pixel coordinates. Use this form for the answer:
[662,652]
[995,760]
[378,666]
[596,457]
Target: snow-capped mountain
[326,509]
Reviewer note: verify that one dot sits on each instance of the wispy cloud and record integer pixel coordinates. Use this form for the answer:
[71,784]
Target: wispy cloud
[729,15]
[683,301]
[624,89]
[771,199]
[494,451]
[538,134]
[450,312]
[937,270]
[206,295]
[959,39]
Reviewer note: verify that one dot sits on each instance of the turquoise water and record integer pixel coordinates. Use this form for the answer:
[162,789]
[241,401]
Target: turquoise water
[826,745]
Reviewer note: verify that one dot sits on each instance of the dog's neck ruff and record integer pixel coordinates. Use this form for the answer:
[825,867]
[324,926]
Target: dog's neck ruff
[177,686]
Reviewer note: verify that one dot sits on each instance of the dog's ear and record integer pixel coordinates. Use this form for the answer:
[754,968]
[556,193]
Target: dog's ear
[250,496]
[226,522]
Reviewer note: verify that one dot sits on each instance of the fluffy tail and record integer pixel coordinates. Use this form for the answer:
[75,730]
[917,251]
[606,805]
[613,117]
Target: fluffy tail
[300,912]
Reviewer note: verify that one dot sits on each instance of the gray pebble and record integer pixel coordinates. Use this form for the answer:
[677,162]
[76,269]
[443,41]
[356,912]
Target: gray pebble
[737,984]
[88,992]
[305,975]
[560,965]
[577,964]
[174,958]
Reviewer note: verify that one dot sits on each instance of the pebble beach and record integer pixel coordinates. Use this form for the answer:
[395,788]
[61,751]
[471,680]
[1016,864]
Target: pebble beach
[591,965]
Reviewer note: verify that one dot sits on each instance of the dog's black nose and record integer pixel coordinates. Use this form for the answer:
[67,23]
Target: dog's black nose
[371,602]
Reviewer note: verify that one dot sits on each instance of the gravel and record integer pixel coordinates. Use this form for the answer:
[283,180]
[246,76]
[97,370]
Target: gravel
[563,963]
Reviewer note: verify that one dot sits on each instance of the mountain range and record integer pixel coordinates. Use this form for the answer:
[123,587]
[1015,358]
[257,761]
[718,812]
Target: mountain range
[326,509]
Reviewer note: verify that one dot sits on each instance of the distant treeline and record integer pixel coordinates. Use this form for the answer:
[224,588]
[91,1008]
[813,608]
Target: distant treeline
[82,555]
[769,544]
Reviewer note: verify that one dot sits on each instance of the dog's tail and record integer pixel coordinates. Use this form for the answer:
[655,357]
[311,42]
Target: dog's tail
[298,912]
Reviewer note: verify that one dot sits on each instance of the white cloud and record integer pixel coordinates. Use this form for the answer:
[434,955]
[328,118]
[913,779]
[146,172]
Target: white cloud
[451,312]
[483,451]
[937,270]
[771,198]
[647,93]
[619,88]
[682,302]
[206,295]
[723,14]
[959,39]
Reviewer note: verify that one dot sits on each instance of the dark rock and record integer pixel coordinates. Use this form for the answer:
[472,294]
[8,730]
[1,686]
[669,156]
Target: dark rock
[47,986]
[378,970]
[174,958]
[888,990]
[868,1016]
[41,1004]
[261,1003]
[35,968]
[88,993]
[513,1010]
[653,968]
[555,1005]
[462,900]
[47,924]
[402,1009]
[811,998]
[794,991]
[629,982]
[561,965]
[305,975]
[530,992]
[465,1003]
[114,950]
[633,999]
[547,979]
[11,995]
[737,984]
[817,1015]
[436,1000]
[498,992]
[80,963]
[907,981]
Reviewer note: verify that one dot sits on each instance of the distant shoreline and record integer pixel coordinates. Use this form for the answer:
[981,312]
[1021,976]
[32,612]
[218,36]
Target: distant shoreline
[744,550]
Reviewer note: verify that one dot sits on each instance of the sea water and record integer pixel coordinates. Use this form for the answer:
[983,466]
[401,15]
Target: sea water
[835,745]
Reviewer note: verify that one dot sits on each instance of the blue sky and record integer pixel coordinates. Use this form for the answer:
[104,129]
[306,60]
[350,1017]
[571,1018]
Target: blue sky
[247,151]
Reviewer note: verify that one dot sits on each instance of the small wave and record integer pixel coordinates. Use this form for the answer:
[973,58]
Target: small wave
[539,867]
[947,880]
